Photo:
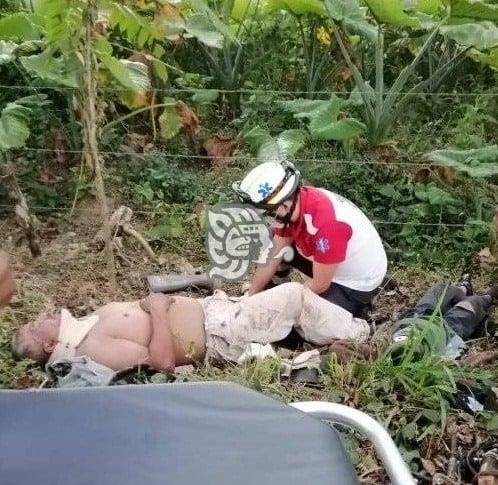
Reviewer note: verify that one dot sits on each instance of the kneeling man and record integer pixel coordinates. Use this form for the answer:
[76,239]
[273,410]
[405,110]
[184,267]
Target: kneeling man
[164,332]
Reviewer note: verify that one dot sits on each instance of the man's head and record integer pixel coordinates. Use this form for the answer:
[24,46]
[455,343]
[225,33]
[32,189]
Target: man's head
[274,187]
[37,340]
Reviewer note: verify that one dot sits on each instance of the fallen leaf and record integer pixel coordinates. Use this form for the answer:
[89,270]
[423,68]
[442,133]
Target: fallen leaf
[219,149]
[447,174]
[485,256]
[188,119]
[422,175]
[429,466]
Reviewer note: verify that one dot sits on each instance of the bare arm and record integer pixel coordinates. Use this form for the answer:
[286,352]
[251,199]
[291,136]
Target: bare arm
[161,348]
[264,274]
[322,277]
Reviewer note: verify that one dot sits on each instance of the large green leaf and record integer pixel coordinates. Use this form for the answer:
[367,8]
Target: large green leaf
[14,121]
[133,26]
[341,130]
[170,121]
[474,9]
[490,58]
[18,26]
[392,12]
[202,7]
[433,195]
[303,108]
[297,7]
[481,35]
[7,52]
[322,115]
[60,70]
[283,147]
[244,9]
[324,124]
[278,148]
[352,16]
[481,162]
[429,7]
[202,28]
[132,75]
[61,22]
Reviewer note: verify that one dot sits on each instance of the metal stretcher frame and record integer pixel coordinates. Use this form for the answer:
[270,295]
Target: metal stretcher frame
[387,451]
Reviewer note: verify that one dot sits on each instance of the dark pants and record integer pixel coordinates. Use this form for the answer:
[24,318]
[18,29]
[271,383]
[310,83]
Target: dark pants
[356,302]
[463,321]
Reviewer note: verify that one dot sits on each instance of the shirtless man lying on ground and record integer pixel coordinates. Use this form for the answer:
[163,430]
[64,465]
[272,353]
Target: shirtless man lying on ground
[164,332]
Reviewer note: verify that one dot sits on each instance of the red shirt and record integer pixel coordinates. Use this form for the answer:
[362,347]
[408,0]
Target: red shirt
[317,233]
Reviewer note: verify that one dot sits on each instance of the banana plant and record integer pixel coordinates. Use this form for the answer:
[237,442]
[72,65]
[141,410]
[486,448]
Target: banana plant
[53,30]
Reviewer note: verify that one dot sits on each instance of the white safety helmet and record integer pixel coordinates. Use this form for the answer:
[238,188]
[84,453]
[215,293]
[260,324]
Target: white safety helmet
[269,184]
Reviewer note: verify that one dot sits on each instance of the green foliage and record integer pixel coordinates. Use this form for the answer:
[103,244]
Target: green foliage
[477,9]
[169,121]
[15,121]
[61,22]
[297,7]
[48,67]
[392,12]
[135,28]
[166,183]
[324,122]
[17,27]
[408,383]
[168,227]
[480,162]
[279,148]
[132,75]
[353,17]
[202,28]
[476,124]
[480,35]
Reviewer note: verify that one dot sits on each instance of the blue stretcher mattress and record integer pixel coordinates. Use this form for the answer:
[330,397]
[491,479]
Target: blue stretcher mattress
[179,434]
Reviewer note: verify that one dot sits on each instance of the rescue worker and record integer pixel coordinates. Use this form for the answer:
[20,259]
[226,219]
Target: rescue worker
[333,241]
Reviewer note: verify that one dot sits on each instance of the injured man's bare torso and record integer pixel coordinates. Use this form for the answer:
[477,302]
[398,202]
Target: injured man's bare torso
[132,326]
[164,332]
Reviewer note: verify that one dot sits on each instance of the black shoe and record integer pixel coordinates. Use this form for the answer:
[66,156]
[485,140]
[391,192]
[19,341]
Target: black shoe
[466,282]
